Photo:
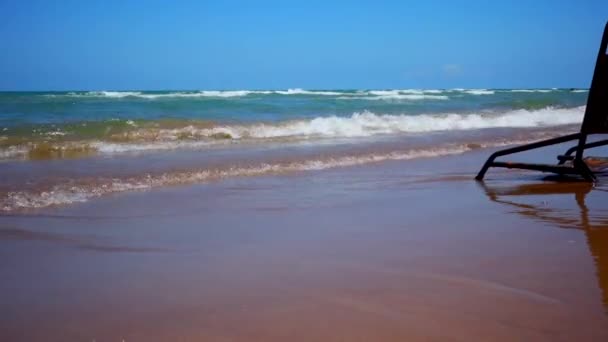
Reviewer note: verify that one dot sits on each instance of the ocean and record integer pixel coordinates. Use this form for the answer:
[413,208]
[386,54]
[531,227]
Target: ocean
[58,148]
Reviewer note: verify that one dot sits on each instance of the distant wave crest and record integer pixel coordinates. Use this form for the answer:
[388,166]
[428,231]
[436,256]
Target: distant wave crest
[479,92]
[194,94]
[389,94]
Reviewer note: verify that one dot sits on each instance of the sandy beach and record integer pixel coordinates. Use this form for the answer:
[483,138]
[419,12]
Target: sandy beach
[410,250]
[272,171]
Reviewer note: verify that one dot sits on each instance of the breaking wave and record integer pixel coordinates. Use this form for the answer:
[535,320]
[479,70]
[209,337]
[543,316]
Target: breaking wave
[368,124]
[479,92]
[371,94]
[390,94]
[532,90]
[407,94]
[194,94]
[365,124]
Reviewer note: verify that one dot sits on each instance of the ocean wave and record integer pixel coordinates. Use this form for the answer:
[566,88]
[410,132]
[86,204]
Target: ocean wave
[394,92]
[12,152]
[396,96]
[579,91]
[67,193]
[406,94]
[370,94]
[368,124]
[478,91]
[389,92]
[239,93]
[112,94]
[204,93]
[358,125]
[298,91]
[532,90]
[112,148]
[209,93]
[194,94]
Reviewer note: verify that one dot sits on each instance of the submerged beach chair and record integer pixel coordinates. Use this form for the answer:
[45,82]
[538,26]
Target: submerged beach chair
[594,122]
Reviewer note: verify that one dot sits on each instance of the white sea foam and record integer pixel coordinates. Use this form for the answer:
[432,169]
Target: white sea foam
[361,94]
[395,96]
[357,125]
[237,93]
[12,152]
[56,133]
[414,97]
[62,194]
[364,124]
[202,93]
[532,90]
[298,91]
[478,91]
[580,91]
[369,124]
[218,93]
[403,91]
[72,193]
[112,148]
[391,92]
[114,94]
[404,94]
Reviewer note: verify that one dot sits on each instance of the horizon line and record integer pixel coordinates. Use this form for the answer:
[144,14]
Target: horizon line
[272,89]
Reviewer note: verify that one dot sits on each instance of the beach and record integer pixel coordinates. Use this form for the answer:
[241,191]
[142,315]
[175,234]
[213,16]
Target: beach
[397,250]
[201,171]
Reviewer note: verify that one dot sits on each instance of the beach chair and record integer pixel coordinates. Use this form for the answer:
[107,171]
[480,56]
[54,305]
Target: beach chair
[595,121]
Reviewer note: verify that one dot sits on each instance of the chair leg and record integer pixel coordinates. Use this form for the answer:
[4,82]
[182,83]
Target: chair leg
[578,162]
[489,163]
[584,170]
[566,156]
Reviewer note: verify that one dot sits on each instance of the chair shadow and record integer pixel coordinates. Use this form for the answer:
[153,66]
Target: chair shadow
[593,222]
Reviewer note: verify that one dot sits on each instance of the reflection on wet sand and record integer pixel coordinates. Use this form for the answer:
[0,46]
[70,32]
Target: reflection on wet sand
[593,221]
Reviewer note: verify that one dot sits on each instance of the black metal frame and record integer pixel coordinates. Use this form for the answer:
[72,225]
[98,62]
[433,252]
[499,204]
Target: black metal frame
[577,168]
[594,122]
[568,155]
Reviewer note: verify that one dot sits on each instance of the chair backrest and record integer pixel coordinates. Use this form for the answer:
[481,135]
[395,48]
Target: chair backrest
[596,114]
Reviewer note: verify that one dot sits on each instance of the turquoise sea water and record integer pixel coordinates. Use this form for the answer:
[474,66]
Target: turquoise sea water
[31,108]
[64,147]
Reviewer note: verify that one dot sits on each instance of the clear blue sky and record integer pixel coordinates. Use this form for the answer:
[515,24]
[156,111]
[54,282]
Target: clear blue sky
[104,45]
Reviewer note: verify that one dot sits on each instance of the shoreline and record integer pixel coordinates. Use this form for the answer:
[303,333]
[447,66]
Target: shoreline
[388,251]
[26,186]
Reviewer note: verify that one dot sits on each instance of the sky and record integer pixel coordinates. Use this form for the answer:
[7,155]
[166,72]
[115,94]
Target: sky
[179,45]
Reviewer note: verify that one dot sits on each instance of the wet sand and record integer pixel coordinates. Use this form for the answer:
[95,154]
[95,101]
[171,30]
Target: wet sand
[399,251]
